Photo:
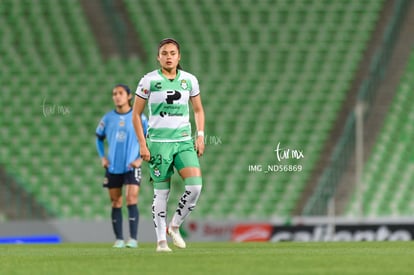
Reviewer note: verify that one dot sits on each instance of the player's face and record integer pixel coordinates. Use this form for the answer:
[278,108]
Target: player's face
[120,97]
[169,56]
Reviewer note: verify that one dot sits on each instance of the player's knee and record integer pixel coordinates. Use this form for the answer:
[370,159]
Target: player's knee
[132,199]
[192,193]
[132,192]
[116,202]
[190,172]
[161,194]
[159,203]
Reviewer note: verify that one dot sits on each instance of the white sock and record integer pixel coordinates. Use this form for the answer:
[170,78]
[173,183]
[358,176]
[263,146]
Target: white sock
[159,213]
[186,204]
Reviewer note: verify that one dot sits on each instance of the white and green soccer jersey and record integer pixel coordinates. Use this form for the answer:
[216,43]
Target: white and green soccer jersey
[169,118]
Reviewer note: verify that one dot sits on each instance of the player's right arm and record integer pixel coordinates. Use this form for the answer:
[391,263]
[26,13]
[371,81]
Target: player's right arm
[138,108]
[100,137]
[141,97]
[101,152]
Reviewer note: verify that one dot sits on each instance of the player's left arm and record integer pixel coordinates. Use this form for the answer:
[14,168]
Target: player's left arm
[199,121]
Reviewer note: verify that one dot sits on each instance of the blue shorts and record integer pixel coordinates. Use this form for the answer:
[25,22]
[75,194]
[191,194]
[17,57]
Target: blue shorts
[118,180]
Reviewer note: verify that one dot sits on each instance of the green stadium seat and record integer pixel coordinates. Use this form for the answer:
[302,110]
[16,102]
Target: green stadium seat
[288,89]
[388,172]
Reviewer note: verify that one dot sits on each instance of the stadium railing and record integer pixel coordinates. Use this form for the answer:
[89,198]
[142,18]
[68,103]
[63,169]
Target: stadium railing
[325,190]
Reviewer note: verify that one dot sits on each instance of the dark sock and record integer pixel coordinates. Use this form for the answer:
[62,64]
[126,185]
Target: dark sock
[133,217]
[116,215]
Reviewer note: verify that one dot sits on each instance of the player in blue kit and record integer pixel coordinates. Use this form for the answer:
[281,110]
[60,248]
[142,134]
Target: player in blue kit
[122,163]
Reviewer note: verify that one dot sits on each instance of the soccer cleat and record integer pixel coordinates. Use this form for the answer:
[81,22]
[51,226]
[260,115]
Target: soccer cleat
[163,249]
[119,244]
[176,236]
[132,243]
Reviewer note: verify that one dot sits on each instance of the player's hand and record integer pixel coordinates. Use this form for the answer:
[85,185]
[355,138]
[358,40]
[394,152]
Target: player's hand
[199,146]
[136,163]
[145,153]
[105,162]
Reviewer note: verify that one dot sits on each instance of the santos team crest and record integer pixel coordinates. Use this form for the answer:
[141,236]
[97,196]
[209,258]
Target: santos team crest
[184,84]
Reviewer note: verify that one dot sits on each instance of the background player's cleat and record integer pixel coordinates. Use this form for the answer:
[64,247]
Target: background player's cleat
[132,243]
[176,236]
[119,244]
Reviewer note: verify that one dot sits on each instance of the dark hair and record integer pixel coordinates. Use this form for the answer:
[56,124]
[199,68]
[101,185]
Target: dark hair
[126,88]
[170,41]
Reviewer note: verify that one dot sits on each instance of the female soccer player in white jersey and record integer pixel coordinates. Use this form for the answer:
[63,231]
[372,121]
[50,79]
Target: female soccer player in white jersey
[122,163]
[169,141]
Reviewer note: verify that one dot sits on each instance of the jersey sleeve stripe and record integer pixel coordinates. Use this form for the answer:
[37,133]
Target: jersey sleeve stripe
[142,97]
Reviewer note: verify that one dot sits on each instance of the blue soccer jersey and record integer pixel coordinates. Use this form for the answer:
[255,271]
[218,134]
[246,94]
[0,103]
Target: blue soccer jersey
[123,146]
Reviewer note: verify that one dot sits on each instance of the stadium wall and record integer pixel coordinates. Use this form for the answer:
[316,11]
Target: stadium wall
[301,229]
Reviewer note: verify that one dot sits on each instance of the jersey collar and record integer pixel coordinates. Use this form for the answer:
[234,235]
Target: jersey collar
[163,76]
[130,110]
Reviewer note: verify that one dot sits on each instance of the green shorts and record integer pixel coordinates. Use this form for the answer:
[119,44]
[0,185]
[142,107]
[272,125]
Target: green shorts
[167,155]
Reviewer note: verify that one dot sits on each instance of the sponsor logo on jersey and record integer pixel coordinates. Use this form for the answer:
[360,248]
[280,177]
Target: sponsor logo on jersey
[171,96]
[121,136]
[164,114]
[121,121]
[158,85]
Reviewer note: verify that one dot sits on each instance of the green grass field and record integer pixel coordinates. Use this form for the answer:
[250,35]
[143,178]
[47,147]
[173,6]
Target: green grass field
[211,258]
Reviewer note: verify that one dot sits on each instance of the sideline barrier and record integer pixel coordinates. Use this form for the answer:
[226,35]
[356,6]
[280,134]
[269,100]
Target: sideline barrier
[300,229]
[36,239]
[321,229]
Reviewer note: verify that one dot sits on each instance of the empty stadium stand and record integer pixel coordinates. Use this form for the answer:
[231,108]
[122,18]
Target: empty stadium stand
[271,72]
[387,178]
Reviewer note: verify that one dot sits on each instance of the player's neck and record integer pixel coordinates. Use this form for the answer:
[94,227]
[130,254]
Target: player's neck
[123,109]
[170,74]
